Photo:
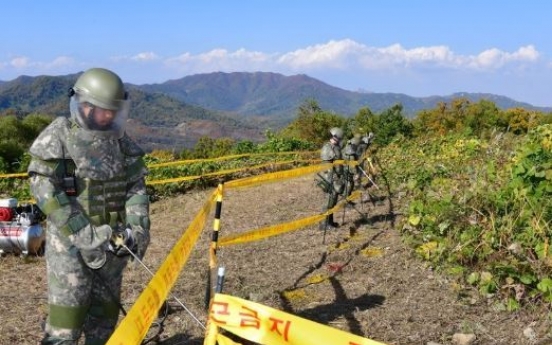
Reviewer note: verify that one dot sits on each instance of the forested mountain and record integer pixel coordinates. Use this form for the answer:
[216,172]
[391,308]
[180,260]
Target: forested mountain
[277,97]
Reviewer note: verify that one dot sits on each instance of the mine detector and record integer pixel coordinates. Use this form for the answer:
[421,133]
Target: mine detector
[21,228]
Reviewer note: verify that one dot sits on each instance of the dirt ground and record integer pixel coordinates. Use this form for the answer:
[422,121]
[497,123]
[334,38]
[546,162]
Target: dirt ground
[359,278]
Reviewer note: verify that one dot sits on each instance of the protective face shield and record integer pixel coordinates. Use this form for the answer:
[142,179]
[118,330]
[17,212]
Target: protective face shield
[99,103]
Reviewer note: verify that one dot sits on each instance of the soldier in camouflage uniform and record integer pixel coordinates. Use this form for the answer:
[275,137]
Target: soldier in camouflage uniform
[330,152]
[364,142]
[88,177]
[351,173]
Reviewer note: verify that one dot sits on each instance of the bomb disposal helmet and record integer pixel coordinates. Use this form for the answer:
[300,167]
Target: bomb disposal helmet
[336,132]
[103,89]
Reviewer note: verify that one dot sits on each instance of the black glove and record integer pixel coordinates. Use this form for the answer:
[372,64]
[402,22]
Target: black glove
[123,241]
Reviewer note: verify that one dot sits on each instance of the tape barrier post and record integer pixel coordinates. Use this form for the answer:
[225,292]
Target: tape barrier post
[213,245]
[212,335]
[331,192]
[268,326]
[220,280]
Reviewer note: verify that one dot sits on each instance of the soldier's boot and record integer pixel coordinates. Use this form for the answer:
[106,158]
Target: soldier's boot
[331,222]
[328,223]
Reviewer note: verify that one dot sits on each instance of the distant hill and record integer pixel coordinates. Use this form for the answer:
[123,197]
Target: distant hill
[275,96]
[240,105]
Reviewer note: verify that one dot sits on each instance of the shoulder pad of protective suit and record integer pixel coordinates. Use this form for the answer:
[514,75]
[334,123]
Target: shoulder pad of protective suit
[327,153]
[130,148]
[50,142]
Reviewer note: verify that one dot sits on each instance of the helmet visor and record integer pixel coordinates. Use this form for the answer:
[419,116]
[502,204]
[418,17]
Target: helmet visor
[93,117]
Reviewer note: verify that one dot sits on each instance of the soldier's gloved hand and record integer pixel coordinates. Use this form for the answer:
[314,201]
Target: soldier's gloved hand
[123,241]
[92,242]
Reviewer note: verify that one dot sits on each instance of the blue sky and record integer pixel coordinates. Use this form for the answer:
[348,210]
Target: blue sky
[416,47]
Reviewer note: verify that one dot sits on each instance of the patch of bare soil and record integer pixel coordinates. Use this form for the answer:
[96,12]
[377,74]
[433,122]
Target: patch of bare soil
[359,278]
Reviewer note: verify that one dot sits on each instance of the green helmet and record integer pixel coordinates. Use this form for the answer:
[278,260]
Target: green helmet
[101,88]
[336,132]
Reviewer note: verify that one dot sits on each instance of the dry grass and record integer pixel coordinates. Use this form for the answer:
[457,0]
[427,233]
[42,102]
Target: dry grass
[360,278]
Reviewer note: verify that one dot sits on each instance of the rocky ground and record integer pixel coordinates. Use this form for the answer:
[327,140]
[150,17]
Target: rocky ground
[359,278]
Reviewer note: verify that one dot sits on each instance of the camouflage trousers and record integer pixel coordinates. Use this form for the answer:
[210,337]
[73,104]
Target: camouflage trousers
[80,300]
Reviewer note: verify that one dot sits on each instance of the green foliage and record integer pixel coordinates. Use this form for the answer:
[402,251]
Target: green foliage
[33,124]
[481,118]
[392,123]
[209,148]
[276,143]
[312,124]
[364,122]
[482,204]
[245,146]
[16,136]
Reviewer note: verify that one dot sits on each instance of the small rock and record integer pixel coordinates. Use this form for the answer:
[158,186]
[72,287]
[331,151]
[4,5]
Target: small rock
[463,339]
[432,343]
[530,333]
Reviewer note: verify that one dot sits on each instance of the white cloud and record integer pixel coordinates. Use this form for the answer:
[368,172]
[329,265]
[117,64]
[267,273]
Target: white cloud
[495,58]
[145,56]
[221,60]
[20,62]
[348,54]
[343,55]
[23,64]
[61,61]
[333,54]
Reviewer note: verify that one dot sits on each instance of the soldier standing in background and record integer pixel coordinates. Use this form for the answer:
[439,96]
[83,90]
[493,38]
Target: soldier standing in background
[350,153]
[88,177]
[330,152]
[364,142]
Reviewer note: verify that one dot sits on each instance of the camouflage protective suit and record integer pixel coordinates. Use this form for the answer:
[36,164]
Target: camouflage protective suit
[362,147]
[350,172]
[329,153]
[107,192]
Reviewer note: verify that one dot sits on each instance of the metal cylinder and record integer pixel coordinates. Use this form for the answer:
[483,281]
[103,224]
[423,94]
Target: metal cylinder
[21,231]
[21,239]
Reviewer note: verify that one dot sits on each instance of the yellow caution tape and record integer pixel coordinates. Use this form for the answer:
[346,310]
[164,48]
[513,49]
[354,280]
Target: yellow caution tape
[222,340]
[270,231]
[281,228]
[191,161]
[279,175]
[213,337]
[268,326]
[14,175]
[219,173]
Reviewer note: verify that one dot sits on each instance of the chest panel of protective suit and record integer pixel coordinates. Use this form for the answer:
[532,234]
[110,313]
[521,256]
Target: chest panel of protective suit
[349,152]
[97,162]
[98,159]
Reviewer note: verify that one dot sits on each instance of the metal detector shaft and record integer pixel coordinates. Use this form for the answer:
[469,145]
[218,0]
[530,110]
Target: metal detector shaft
[173,297]
[369,178]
